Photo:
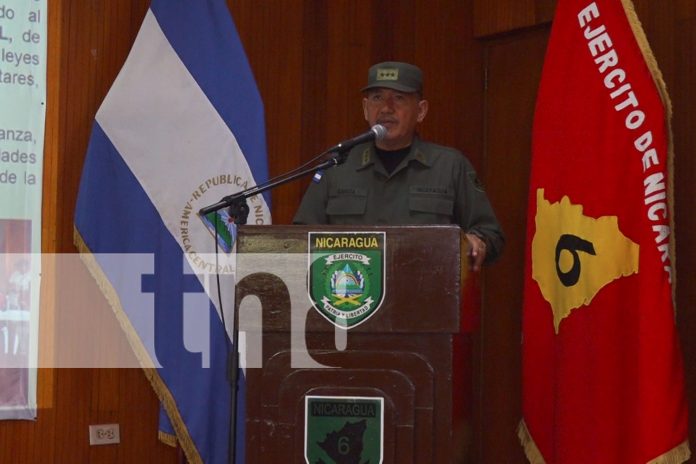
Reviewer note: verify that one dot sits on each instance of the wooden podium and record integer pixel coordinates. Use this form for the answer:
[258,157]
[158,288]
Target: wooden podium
[401,354]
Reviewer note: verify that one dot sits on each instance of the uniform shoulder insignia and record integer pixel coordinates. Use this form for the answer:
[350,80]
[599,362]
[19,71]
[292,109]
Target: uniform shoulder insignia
[366,157]
[478,185]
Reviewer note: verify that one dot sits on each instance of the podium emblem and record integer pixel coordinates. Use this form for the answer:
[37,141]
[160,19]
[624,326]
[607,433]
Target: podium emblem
[346,275]
[344,430]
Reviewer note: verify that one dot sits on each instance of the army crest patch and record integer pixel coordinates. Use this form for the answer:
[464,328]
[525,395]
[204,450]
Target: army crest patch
[344,430]
[346,275]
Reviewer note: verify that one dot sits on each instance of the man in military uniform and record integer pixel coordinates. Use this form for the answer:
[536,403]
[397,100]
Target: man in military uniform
[400,178]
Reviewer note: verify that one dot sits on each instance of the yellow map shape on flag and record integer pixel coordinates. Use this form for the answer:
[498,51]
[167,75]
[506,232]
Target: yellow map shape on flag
[574,256]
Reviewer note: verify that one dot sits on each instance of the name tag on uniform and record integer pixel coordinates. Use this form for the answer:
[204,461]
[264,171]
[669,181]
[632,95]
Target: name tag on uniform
[429,190]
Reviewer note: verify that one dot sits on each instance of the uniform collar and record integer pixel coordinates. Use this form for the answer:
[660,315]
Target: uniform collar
[367,157]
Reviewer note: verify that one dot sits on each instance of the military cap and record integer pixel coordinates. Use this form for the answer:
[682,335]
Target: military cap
[395,75]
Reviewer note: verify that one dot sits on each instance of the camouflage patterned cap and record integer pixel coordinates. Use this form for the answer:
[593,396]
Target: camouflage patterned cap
[395,75]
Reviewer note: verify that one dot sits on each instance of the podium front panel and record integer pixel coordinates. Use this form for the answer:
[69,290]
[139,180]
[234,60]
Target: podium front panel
[400,358]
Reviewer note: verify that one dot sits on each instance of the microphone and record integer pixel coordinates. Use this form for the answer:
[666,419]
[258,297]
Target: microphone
[376,132]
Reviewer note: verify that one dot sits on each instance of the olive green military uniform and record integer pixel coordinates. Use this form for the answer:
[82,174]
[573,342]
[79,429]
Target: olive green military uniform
[432,185]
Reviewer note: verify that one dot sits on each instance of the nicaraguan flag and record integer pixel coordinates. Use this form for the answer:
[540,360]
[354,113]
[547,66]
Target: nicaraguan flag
[181,127]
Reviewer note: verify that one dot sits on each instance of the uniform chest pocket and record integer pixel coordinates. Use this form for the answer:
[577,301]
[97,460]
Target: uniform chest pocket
[346,201]
[431,200]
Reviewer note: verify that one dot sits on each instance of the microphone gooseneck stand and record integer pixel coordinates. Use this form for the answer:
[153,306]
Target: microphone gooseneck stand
[239,210]
[237,200]
[339,152]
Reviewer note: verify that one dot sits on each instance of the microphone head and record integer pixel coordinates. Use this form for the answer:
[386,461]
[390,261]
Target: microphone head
[379,130]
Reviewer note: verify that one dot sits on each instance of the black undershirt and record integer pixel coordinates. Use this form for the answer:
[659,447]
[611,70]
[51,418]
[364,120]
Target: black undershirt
[391,158]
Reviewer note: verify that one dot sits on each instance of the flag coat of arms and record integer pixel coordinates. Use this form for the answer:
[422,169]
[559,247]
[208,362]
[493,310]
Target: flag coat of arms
[602,369]
[181,127]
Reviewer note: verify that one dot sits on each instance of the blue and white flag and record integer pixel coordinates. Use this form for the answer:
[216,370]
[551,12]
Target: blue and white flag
[181,127]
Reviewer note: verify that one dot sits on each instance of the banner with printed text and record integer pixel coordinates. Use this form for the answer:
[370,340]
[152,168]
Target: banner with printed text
[603,375]
[22,118]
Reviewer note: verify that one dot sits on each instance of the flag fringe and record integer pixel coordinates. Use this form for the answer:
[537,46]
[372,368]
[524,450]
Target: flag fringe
[654,69]
[648,55]
[167,438]
[530,448]
[165,396]
[676,455]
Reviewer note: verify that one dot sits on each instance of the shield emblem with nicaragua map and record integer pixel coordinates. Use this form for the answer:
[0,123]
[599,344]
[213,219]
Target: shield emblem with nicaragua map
[346,275]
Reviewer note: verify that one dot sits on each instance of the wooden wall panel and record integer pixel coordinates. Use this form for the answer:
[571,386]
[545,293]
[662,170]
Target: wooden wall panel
[453,79]
[686,9]
[272,33]
[310,58]
[315,85]
[514,69]
[349,43]
[683,96]
[544,10]
[501,16]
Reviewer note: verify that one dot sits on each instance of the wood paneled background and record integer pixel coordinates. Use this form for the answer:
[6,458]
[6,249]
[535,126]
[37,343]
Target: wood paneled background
[310,58]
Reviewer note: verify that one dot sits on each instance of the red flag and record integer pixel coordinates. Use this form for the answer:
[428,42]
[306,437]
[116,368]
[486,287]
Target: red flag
[602,369]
